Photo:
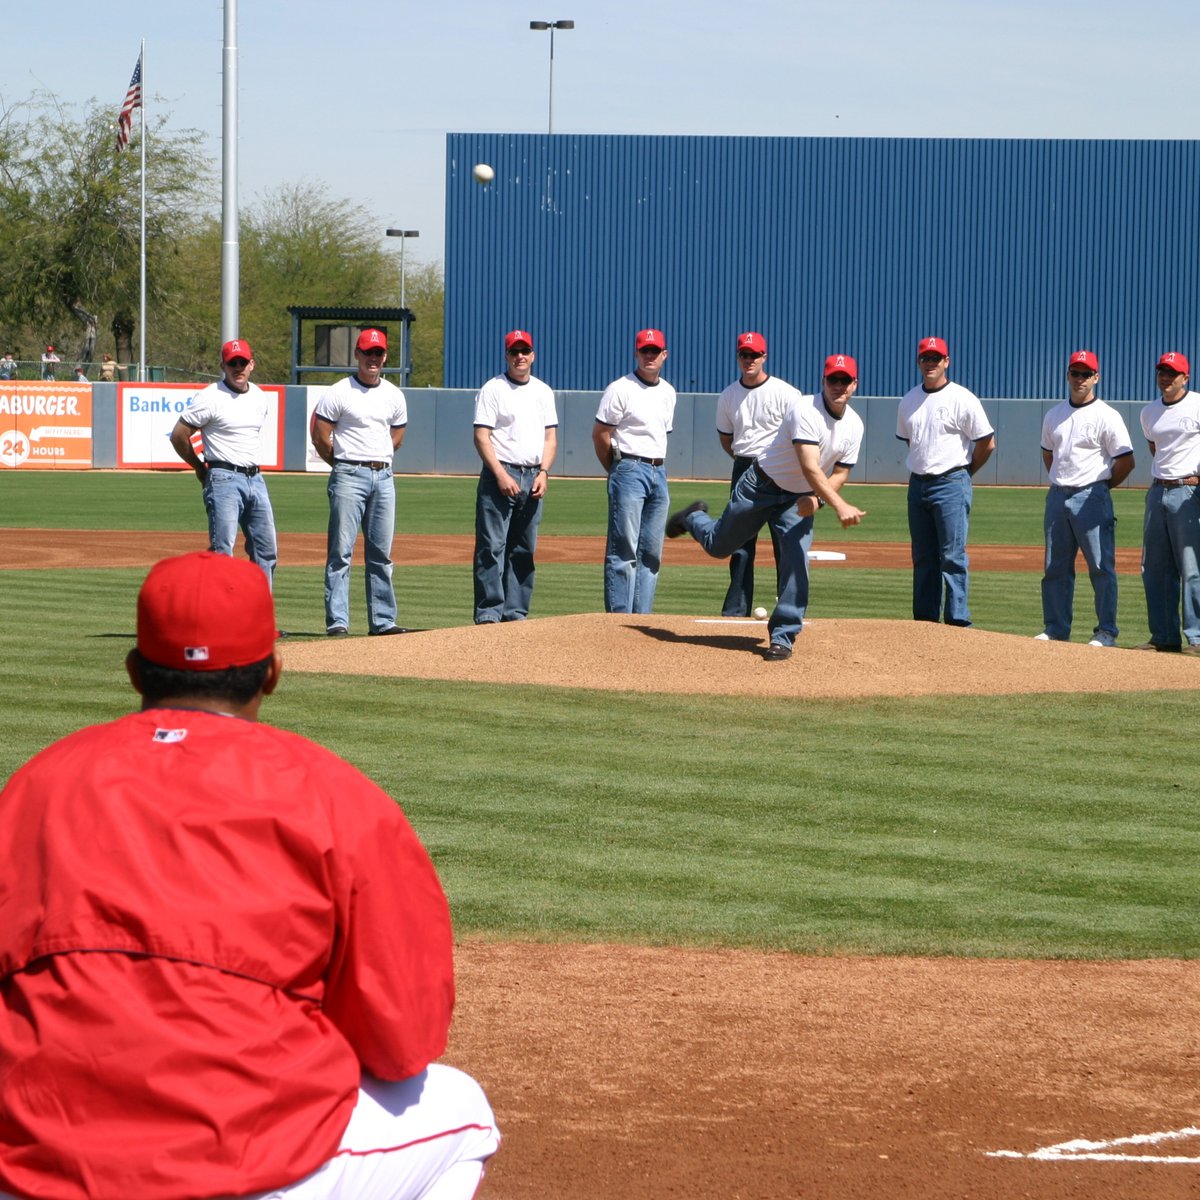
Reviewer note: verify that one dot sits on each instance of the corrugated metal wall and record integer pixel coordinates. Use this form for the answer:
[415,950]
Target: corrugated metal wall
[1017,252]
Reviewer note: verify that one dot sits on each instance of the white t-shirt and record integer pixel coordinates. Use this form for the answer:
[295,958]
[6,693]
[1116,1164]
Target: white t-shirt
[752,416]
[941,428]
[1083,440]
[643,415]
[230,421]
[809,422]
[1175,431]
[363,418]
[518,414]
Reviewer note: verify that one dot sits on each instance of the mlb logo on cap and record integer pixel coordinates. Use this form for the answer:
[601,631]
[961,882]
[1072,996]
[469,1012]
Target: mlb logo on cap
[195,653]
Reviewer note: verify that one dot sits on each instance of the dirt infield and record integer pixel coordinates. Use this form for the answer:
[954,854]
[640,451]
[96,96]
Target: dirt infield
[45,549]
[660,1073]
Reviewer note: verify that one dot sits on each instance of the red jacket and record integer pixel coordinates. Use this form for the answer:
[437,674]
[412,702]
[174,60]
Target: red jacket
[208,929]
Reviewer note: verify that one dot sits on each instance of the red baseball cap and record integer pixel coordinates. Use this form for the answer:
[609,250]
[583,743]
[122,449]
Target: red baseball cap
[518,335]
[205,612]
[650,337]
[1084,358]
[752,341]
[371,339]
[841,364]
[1176,361]
[238,348]
[933,345]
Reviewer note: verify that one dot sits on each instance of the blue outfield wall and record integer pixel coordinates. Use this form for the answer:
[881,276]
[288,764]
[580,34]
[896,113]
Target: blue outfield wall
[1018,251]
[440,441]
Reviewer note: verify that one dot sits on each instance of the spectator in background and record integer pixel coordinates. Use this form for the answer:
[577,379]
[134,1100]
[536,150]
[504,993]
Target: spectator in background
[8,366]
[80,375]
[108,369]
[49,361]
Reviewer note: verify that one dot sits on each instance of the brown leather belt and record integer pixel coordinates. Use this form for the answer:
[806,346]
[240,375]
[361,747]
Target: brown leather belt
[654,462]
[375,465]
[1187,481]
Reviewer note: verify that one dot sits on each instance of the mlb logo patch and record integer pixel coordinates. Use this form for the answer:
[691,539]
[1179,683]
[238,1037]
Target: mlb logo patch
[195,653]
[170,735]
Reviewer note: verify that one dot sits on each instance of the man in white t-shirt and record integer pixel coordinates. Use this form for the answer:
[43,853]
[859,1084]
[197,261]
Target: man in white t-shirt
[801,470]
[516,436]
[629,436]
[949,439]
[357,428]
[749,413]
[230,415]
[1087,451]
[1171,529]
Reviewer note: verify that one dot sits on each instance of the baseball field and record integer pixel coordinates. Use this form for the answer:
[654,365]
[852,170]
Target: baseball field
[911,914]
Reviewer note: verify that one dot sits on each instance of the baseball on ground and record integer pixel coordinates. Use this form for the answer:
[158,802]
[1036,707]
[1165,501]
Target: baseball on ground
[483,173]
[760,613]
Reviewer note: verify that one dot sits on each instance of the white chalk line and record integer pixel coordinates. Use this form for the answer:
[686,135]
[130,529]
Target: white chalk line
[1081,1149]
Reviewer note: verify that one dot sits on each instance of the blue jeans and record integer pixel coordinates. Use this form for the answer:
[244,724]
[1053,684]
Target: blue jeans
[1079,519]
[739,599]
[939,513]
[638,501]
[234,500]
[1170,571]
[754,502]
[366,498]
[505,539]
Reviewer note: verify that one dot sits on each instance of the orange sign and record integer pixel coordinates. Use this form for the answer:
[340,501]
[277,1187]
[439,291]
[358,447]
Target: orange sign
[45,425]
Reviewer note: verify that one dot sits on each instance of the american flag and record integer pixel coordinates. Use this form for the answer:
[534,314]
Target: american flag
[133,99]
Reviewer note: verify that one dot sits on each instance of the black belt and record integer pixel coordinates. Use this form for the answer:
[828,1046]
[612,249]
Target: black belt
[522,466]
[654,462]
[941,474]
[224,466]
[374,464]
[1188,481]
[1074,491]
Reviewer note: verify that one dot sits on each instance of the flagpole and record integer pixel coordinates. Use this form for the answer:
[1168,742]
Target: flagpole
[142,315]
[230,241]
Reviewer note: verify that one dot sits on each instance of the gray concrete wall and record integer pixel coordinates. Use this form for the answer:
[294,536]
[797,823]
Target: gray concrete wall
[440,439]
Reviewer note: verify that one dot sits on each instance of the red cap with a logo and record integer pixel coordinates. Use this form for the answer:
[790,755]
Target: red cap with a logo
[1084,358]
[1176,361]
[518,337]
[205,612]
[238,348]
[371,339]
[841,364]
[933,345]
[650,337]
[752,341]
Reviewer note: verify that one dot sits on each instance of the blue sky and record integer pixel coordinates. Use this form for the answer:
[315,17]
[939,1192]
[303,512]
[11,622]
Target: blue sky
[359,95]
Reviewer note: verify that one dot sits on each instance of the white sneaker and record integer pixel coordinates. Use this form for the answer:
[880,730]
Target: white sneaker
[1041,637]
[1103,639]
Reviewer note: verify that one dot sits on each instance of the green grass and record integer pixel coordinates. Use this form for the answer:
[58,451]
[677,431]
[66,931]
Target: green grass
[1051,825]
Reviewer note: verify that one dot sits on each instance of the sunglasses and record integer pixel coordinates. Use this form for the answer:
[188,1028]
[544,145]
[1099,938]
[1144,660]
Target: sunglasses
[746,355]
[930,358]
[840,378]
[1080,374]
[1166,371]
[372,353]
[652,350]
[519,350]
[236,364]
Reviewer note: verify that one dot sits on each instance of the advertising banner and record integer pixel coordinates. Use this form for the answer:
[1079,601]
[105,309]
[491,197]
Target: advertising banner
[147,412]
[45,426]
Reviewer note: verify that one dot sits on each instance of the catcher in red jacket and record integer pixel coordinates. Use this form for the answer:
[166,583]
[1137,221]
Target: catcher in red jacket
[225,957]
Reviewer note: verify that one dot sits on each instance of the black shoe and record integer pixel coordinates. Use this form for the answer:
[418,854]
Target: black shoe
[777,652]
[677,524]
[336,631]
[388,632]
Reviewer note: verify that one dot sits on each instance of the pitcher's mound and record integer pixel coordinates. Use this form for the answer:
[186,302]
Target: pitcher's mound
[832,658]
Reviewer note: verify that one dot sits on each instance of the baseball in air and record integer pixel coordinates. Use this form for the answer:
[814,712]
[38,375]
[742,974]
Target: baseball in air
[760,614]
[483,173]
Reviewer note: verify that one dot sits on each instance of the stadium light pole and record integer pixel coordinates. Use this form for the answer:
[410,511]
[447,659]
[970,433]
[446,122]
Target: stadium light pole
[552,26]
[403,235]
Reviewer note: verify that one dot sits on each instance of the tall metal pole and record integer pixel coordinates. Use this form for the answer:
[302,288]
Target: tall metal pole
[230,246]
[550,111]
[142,268]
